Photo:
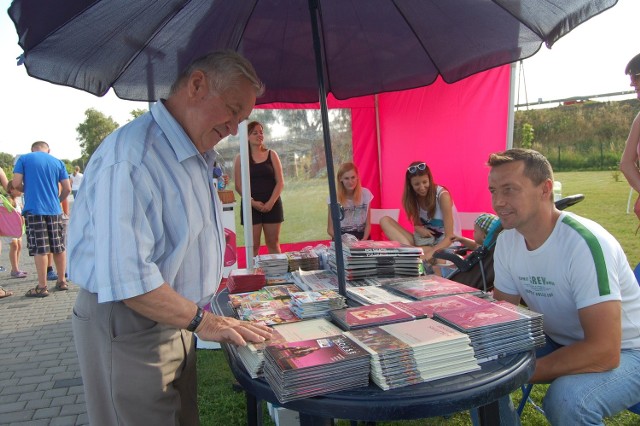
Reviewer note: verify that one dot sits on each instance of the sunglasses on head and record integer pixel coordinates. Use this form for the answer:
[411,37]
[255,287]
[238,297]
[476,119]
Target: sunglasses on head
[418,167]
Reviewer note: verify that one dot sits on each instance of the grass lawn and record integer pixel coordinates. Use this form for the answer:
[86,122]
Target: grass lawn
[306,219]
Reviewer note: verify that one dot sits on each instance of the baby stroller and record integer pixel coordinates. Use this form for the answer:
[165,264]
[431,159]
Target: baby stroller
[476,268]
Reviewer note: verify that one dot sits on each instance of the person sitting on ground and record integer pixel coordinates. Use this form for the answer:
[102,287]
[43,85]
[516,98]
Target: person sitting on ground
[430,209]
[576,274]
[355,201]
[15,244]
[481,227]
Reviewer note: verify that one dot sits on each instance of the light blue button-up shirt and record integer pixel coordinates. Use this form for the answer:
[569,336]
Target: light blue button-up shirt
[147,213]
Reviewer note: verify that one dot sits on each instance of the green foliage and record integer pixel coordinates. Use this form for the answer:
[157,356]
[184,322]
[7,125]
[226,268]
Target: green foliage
[587,136]
[304,220]
[527,135]
[6,163]
[137,113]
[93,130]
[301,149]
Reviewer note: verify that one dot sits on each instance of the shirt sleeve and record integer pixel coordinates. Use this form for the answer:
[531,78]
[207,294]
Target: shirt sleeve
[503,279]
[127,220]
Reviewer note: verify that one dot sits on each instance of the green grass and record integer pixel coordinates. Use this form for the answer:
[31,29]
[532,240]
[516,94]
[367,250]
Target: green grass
[305,212]
[306,220]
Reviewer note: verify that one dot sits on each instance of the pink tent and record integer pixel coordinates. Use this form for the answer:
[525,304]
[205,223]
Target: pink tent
[453,127]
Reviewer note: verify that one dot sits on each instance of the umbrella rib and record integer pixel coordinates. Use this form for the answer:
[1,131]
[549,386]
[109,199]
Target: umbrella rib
[143,46]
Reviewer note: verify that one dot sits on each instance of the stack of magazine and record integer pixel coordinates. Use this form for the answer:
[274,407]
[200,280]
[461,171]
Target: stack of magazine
[253,298]
[377,259]
[369,315]
[244,280]
[269,306]
[414,352]
[252,355]
[428,286]
[302,369]
[427,307]
[307,260]
[311,304]
[273,263]
[496,328]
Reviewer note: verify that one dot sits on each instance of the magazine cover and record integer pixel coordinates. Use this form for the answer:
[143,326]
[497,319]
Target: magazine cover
[270,316]
[362,316]
[310,353]
[482,316]
[421,308]
[429,286]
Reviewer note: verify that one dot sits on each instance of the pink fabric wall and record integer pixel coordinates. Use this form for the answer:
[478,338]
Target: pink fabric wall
[453,127]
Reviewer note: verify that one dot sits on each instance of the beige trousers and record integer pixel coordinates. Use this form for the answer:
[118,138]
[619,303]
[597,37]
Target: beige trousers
[134,370]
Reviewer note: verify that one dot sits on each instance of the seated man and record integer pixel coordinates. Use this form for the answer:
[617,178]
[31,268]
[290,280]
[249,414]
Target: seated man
[574,272]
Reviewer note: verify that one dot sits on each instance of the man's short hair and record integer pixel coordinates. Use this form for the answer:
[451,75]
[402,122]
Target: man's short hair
[224,69]
[39,145]
[633,67]
[536,166]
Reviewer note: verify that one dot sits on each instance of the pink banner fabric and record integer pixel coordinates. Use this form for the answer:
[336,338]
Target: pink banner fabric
[453,127]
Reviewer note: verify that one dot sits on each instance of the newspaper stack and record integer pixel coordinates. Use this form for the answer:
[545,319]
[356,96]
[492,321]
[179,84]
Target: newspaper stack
[377,259]
[496,329]
[307,368]
[252,355]
[414,352]
[307,260]
[310,304]
[370,295]
[273,264]
[315,280]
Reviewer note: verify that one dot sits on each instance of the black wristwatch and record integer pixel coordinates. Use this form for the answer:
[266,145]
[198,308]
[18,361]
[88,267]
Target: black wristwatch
[195,322]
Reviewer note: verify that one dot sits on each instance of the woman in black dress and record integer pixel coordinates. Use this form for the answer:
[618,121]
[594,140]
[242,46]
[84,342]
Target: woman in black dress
[267,183]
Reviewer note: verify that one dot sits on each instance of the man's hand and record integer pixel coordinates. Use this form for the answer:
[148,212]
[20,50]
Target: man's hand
[230,330]
[636,207]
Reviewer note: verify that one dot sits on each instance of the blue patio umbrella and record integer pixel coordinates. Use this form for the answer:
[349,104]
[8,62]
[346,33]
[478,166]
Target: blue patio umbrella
[301,49]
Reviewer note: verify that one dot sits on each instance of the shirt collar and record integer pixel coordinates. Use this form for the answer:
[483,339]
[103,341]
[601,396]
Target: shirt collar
[177,137]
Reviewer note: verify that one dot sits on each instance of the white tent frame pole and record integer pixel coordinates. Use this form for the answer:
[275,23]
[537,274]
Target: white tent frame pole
[512,112]
[243,134]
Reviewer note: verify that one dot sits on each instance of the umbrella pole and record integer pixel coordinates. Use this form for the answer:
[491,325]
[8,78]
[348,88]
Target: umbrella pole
[324,112]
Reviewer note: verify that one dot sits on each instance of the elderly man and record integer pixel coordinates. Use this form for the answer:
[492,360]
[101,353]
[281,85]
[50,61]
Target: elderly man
[146,245]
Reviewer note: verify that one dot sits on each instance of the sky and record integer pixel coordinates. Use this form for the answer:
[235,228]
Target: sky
[589,60]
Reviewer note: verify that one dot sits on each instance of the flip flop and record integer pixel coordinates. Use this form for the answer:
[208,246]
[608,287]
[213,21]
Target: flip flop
[62,285]
[5,293]
[37,292]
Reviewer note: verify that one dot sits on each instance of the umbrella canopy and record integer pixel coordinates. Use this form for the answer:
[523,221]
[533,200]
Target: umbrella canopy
[369,46]
[301,49]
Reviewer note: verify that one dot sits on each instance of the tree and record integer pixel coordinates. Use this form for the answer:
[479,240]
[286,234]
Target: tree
[527,135]
[6,162]
[93,130]
[137,113]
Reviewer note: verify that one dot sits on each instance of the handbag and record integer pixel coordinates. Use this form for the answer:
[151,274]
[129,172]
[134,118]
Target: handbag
[10,219]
